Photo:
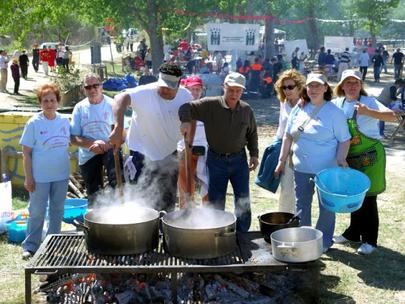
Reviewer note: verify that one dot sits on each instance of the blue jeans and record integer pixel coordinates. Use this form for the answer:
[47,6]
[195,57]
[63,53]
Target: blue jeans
[93,173]
[55,192]
[377,72]
[304,191]
[233,168]
[381,126]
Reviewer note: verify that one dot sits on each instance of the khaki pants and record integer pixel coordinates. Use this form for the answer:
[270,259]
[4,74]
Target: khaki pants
[342,66]
[287,193]
[45,67]
[3,80]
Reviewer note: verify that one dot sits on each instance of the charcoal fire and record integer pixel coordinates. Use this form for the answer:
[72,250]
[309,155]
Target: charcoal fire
[249,288]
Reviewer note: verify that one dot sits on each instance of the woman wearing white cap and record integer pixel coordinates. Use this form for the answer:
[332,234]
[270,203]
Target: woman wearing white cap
[366,154]
[319,138]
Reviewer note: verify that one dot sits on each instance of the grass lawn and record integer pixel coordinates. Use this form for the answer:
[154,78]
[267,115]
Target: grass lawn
[346,277]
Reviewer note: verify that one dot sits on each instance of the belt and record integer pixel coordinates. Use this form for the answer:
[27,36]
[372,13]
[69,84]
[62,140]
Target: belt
[227,154]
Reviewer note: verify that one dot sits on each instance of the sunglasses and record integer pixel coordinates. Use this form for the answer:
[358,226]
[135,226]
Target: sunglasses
[92,86]
[289,87]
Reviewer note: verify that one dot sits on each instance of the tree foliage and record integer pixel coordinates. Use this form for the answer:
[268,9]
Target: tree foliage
[373,13]
[20,18]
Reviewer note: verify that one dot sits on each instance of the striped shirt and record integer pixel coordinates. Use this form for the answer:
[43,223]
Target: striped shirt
[345,57]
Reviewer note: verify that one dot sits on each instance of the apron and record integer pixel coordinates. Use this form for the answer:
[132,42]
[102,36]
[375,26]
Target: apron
[367,155]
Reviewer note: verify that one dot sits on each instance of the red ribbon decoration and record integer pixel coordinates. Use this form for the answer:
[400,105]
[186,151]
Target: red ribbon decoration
[233,17]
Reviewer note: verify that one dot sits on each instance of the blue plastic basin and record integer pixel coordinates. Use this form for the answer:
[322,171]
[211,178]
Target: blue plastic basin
[342,190]
[16,231]
[74,209]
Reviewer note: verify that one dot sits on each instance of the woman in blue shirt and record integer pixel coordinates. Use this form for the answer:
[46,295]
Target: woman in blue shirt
[319,138]
[45,142]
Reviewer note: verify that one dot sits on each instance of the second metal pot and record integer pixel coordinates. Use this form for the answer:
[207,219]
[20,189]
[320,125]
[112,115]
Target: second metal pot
[199,233]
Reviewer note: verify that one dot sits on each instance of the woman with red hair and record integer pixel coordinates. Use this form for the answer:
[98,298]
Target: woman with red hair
[45,142]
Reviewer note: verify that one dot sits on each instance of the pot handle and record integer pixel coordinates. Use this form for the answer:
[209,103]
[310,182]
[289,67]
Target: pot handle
[162,213]
[80,226]
[284,246]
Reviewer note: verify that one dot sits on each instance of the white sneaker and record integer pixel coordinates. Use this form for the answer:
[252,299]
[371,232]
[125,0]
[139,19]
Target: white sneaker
[340,239]
[26,255]
[366,249]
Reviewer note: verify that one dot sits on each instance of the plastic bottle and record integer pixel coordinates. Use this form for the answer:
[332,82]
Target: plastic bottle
[5,202]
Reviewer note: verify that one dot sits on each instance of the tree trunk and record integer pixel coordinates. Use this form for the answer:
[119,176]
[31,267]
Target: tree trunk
[269,39]
[154,30]
[313,29]
[373,35]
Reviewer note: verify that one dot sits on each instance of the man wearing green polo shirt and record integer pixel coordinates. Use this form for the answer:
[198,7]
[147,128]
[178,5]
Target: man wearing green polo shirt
[230,125]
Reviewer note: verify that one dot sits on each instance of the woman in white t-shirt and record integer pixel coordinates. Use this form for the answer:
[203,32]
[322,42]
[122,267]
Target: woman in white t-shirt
[288,88]
[365,112]
[45,142]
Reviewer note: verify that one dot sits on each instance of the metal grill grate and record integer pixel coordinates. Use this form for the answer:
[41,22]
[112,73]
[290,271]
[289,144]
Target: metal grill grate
[69,250]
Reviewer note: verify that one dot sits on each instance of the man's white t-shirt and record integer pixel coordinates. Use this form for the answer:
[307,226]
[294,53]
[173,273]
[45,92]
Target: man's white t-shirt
[155,124]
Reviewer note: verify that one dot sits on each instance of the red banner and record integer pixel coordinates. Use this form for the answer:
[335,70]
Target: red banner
[233,17]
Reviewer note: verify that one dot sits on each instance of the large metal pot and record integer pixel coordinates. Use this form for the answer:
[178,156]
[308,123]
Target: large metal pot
[273,221]
[120,230]
[297,245]
[199,233]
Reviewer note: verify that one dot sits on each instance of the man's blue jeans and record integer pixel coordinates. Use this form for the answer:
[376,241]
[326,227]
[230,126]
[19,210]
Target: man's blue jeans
[233,168]
[55,192]
[304,191]
[377,72]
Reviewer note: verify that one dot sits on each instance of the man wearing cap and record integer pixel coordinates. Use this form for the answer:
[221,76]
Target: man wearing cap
[153,134]
[230,125]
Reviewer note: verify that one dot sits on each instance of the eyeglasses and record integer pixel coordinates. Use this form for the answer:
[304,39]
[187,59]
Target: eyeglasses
[92,86]
[289,87]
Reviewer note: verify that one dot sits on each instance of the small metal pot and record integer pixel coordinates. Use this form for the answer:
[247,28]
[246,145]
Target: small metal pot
[135,231]
[273,221]
[297,245]
[199,233]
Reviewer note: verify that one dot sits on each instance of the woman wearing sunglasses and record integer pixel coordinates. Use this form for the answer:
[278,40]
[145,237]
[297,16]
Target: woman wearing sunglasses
[319,138]
[288,88]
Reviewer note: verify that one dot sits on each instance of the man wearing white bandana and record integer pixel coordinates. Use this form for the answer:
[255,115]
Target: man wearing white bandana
[153,134]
